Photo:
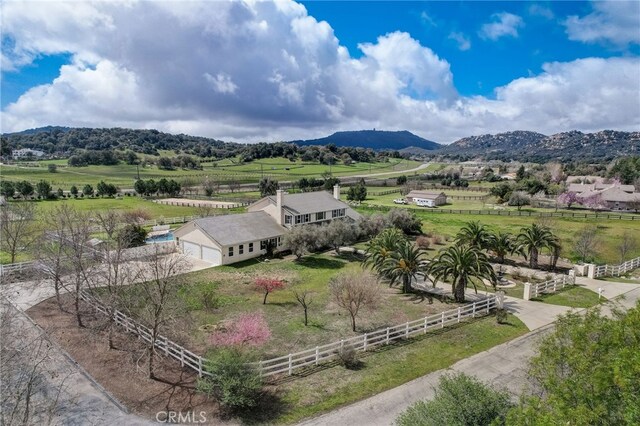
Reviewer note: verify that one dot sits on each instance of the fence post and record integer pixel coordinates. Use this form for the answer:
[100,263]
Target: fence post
[317,355]
[199,366]
[473,310]
[459,314]
[290,365]
[406,330]
[442,321]
[181,357]
[527,291]
[425,325]
[387,341]
[364,346]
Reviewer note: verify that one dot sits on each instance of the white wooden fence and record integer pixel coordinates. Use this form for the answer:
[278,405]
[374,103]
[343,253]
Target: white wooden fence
[616,270]
[170,220]
[311,357]
[533,290]
[18,267]
[162,343]
[289,363]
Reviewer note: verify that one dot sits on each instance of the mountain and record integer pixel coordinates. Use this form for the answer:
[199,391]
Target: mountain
[375,139]
[46,129]
[532,146]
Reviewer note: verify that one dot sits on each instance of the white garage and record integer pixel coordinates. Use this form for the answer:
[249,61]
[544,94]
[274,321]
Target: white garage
[212,255]
[222,240]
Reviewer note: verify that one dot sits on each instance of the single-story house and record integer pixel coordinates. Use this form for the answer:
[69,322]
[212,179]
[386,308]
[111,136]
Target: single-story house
[289,210]
[612,196]
[222,240]
[426,198]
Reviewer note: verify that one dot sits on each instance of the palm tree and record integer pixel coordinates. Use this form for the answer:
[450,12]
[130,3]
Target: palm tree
[461,263]
[534,238]
[474,234]
[501,244]
[381,247]
[403,264]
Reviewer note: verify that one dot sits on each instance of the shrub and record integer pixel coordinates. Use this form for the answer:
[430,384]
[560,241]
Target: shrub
[501,315]
[460,400]
[423,242]
[348,357]
[235,382]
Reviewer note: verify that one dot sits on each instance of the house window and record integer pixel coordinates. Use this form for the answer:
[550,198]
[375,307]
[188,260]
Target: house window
[230,251]
[287,220]
[298,219]
[321,215]
[263,245]
[250,247]
[279,241]
[337,213]
[241,249]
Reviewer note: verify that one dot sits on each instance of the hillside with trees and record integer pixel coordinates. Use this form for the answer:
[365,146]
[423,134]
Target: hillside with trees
[374,139]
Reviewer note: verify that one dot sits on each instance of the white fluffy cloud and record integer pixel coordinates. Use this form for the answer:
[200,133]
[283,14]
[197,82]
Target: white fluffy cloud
[502,24]
[613,22]
[462,40]
[254,71]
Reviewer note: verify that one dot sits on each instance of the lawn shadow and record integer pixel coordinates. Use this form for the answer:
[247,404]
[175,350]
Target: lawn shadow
[320,263]
[270,406]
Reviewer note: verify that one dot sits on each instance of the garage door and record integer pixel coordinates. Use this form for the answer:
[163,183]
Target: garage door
[191,249]
[212,255]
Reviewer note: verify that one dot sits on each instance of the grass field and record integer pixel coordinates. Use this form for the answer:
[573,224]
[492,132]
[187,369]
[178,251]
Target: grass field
[233,291]
[574,296]
[124,175]
[609,232]
[392,366]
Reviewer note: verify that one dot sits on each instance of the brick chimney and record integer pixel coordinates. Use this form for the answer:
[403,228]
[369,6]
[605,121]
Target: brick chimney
[336,192]
[279,195]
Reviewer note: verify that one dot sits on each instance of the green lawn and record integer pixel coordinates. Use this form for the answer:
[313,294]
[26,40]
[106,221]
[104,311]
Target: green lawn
[123,175]
[609,232]
[392,366]
[574,296]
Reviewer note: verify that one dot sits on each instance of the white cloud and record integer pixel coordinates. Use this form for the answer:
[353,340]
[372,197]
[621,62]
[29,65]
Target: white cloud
[268,71]
[542,11]
[427,19]
[612,22]
[502,24]
[462,40]
[221,83]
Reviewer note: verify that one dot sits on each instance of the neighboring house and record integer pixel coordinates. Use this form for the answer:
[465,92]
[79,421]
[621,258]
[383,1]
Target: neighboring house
[613,196]
[26,152]
[585,179]
[426,199]
[289,210]
[222,240]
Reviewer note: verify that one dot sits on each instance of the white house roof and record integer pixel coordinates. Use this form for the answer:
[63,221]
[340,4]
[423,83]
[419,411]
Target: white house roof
[580,188]
[309,202]
[425,194]
[233,229]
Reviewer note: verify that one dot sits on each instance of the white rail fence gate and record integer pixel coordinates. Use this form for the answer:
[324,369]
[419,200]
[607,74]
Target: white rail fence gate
[287,364]
[596,271]
[533,290]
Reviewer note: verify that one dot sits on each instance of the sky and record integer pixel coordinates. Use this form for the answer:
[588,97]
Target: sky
[252,71]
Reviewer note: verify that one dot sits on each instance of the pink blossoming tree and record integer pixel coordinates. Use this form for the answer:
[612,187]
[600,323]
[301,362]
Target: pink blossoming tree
[269,285]
[248,329]
[567,198]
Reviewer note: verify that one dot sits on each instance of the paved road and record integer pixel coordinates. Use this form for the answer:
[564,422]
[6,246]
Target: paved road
[503,366]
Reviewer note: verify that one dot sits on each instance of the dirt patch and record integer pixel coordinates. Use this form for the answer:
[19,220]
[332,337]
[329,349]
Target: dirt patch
[123,371]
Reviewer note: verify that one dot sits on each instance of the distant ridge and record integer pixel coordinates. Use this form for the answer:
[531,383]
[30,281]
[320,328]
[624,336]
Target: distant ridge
[532,146]
[374,139]
[46,129]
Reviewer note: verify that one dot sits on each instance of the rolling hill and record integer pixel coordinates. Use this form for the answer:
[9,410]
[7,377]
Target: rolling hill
[375,139]
[532,146]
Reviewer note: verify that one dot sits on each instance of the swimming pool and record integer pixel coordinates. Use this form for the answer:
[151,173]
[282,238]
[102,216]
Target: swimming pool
[160,238]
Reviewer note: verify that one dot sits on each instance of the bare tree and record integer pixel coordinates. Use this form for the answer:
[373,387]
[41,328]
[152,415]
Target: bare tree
[233,185]
[17,227]
[586,242]
[627,244]
[210,186]
[160,277]
[354,291]
[30,385]
[304,298]
[52,253]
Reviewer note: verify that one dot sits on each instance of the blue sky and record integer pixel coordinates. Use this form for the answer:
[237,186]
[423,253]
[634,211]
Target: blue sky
[266,71]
